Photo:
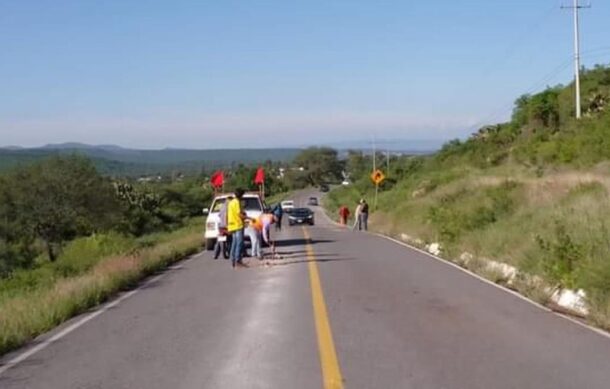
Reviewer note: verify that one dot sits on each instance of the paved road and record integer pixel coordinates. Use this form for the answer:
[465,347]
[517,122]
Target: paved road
[383,316]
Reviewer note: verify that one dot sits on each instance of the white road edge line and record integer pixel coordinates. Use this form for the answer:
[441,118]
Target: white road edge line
[475,275]
[503,288]
[88,317]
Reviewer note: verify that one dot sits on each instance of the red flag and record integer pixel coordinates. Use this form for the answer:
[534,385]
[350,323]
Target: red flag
[218,179]
[259,178]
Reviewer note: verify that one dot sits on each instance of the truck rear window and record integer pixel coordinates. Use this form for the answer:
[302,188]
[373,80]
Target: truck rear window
[251,204]
[217,204]
[247,204]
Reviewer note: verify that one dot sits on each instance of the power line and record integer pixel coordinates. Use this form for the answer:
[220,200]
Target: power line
[531,89]
[541,83]
[512,48]
[603,48]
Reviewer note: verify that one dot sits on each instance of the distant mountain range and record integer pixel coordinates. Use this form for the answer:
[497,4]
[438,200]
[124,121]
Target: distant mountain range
[81,146]
[116,160]
[120,161]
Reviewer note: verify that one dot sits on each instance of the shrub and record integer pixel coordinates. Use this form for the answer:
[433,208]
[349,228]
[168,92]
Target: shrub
[561,256]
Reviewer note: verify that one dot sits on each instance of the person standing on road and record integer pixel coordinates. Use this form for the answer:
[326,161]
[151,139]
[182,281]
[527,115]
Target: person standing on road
[364,215]
[235,226]
[357,220]
[343,214]
[222,229]
[278,212]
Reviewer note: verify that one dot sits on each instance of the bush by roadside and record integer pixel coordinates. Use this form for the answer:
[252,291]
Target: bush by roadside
[553,227]
[87,273]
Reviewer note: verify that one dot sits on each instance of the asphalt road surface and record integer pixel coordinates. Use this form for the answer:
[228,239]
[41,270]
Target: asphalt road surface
[341,308]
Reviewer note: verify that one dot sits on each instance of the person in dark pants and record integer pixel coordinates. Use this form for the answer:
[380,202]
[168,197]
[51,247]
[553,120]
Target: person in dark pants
[223,248]
[278,212]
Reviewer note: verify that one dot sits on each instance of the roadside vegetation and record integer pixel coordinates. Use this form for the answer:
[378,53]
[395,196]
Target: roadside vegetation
[533,193]
[70,237]
[87,272]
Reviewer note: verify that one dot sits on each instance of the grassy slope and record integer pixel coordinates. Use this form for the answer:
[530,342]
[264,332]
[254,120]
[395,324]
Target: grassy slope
[536,198]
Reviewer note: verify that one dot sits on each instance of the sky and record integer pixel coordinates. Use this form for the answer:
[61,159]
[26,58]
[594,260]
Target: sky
[249,73]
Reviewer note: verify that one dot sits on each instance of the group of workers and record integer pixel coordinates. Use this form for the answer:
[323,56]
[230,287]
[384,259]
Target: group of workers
[236,225]
[361,216]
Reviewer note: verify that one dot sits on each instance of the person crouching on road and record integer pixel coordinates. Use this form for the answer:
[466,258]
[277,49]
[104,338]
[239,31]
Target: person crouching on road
[253,231]
[258,230]
[266,220]
[235,227]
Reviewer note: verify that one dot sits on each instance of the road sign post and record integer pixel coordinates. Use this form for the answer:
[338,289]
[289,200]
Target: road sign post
[377,177]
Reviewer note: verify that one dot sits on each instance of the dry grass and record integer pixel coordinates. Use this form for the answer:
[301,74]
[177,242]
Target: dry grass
[578,201]
[24,316]
[600,314]
[544,191]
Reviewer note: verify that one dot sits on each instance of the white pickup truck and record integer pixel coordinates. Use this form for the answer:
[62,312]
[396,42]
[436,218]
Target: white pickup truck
[287,205]
[252,204]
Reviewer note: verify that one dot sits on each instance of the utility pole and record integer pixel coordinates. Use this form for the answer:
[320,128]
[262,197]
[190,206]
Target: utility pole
[374,155]
[388,160]
[575,8]
[374,170]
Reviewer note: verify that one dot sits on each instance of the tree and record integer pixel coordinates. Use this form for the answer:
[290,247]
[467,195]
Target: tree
[142,213]
[58,199]
[15,246]
[296,179]
[358,164]
[544,108]
[320,164]
[520,111]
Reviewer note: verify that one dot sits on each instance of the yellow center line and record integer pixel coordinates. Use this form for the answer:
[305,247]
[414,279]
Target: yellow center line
[331,373]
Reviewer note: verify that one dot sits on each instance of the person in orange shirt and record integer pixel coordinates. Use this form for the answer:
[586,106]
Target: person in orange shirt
[259,230]
[266,220]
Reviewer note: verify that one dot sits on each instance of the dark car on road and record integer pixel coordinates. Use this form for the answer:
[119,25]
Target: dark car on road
[324,188]
[312,201]
[301,216]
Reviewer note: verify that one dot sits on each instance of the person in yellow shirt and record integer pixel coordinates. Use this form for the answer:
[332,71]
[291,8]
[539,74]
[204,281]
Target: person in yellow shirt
[235,227]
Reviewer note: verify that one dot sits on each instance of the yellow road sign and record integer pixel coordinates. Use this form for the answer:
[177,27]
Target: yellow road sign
[377,177]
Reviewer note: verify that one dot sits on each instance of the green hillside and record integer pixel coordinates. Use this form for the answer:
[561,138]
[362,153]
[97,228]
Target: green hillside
[543,130]
[533,193]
